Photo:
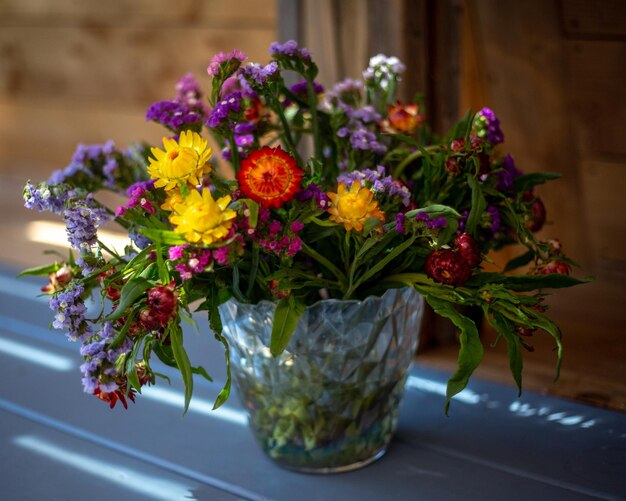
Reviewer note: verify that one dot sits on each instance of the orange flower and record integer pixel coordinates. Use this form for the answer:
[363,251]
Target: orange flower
[354,207]
[269,176]
[402,118]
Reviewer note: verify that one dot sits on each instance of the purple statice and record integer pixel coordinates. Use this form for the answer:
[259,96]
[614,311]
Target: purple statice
[289,50]
[188,90]
[70,312]
[99,369]
[45,198]
[360,137]
[82,221]
[379,182]
[508,174]
[301,91]
[224,64]
[494,218]
[313,192]
[225,108]
[173,114]
[258,75]
[487,126]
[137,193]
[140,241]
[431,223]
[99,162]
[400,217]
[348,92]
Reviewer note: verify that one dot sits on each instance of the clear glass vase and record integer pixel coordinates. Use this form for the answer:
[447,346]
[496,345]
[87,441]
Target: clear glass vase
[329,402]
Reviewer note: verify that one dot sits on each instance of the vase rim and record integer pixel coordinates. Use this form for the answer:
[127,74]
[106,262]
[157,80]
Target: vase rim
[371,297]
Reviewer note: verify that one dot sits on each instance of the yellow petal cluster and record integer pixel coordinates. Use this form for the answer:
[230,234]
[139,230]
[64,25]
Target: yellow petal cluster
[353,207]
[183,162]
[200,218]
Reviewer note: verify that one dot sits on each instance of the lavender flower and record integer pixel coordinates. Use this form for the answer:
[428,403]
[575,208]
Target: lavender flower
[400,223]
[313,191]
[494,218]
[95,163]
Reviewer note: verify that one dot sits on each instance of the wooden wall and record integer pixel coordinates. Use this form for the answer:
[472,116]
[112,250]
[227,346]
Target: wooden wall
[85,71]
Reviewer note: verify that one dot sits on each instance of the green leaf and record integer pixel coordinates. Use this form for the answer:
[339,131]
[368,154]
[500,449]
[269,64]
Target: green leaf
[384,261]
[130,292]
[435,210]
[471,351]
[513,344]
[479,204]
[527,181]
[215,322]
[519,261]
[40,270]
[253,210]
[163,236]
[288,312]
[527,283]
[182,362]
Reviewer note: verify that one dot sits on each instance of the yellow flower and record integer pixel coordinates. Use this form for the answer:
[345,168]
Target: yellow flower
[353,208]
[201,219]
[173,198]
[182,163]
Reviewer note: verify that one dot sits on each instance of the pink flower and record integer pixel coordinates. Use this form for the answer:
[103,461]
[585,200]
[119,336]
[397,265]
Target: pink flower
[221,255]
[176,252]
[297,226]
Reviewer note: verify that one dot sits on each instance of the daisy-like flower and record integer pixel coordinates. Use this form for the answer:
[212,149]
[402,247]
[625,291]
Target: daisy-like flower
[353,207]
[182,163]
[270,176]
[200,218]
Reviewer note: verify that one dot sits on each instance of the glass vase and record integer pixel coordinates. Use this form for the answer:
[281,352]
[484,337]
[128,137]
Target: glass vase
[329,402]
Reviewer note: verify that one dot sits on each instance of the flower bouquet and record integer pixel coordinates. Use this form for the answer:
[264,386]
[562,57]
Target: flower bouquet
[328,199]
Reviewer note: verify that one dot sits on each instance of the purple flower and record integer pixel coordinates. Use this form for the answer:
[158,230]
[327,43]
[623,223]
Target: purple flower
[258,75]
[174,114]
[176,252]
[487,125]
[400,223]
[44,198]
[494,218]
[431,223]
[313,191]
[290,50]
[226,62]
[508,174]
[380,183]
[231,104]
[70,312]
[82,221]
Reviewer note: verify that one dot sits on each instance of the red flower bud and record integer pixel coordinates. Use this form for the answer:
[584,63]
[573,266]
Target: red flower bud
[468,249]
[537,216]
[447,267]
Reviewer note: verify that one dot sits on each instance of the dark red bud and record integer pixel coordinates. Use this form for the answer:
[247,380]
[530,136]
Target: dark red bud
[447,267]
[468,249]
[537,216]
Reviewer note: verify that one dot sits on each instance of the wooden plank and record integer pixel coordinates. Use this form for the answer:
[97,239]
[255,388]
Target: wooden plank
[600,19]
[236,14]
[597,92]
[116,65]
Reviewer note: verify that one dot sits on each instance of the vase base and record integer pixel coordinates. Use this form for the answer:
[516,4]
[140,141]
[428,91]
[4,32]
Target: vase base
[325,470]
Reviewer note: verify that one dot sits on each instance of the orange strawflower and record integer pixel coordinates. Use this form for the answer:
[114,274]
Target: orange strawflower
[270,176]
[403,118]
[354,207]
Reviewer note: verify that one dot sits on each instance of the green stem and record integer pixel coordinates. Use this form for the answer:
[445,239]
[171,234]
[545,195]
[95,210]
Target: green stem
[289,142]
[234,153]
[410,158]
[315,126]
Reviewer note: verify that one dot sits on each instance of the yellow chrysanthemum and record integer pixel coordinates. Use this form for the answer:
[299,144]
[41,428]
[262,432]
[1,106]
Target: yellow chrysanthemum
[182,163]
[354,207]
[173,198]
[200,218]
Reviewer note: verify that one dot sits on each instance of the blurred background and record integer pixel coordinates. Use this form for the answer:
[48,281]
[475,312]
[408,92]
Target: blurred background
[76,71]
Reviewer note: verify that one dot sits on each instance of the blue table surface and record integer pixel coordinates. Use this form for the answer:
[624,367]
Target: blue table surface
[57,443]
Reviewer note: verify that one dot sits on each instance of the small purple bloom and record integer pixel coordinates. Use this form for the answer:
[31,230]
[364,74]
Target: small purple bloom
[289,49]
[400,223]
